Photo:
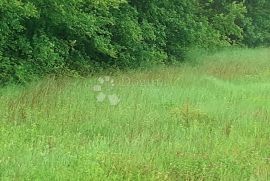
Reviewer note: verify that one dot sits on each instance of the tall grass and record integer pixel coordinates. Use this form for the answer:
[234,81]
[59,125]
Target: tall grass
[208,121]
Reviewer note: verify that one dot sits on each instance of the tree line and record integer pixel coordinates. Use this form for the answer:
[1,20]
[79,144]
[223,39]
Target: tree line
[41,37]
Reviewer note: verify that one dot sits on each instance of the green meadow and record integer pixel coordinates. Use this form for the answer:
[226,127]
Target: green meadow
[208,119]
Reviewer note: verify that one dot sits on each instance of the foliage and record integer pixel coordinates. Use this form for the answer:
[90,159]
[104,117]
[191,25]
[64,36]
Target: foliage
[258,31]
[54,36]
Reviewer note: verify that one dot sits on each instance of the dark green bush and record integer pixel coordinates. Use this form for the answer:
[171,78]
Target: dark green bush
[41,37]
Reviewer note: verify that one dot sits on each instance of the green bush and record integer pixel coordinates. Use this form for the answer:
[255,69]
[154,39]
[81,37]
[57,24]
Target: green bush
[55,36]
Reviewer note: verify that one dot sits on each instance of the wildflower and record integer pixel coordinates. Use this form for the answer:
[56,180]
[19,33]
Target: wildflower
[101,80]
[101,97]
[113,99]
[107,78]
[97,88]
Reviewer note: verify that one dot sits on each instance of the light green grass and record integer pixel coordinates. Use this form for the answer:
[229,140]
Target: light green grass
[209,121]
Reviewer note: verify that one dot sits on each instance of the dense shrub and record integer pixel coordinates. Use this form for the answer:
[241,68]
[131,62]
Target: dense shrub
[40,37]
[258,30]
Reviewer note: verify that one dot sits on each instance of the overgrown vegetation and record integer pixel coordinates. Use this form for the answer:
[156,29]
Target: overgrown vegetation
[204,122]
[41,37]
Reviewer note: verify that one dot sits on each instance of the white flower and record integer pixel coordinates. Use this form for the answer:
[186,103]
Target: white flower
[112,81]
[97,88]
[114,100]
[101,97]
[101,80]
[107,78]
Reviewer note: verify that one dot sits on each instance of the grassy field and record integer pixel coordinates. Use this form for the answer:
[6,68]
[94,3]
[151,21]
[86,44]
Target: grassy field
[205,121]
